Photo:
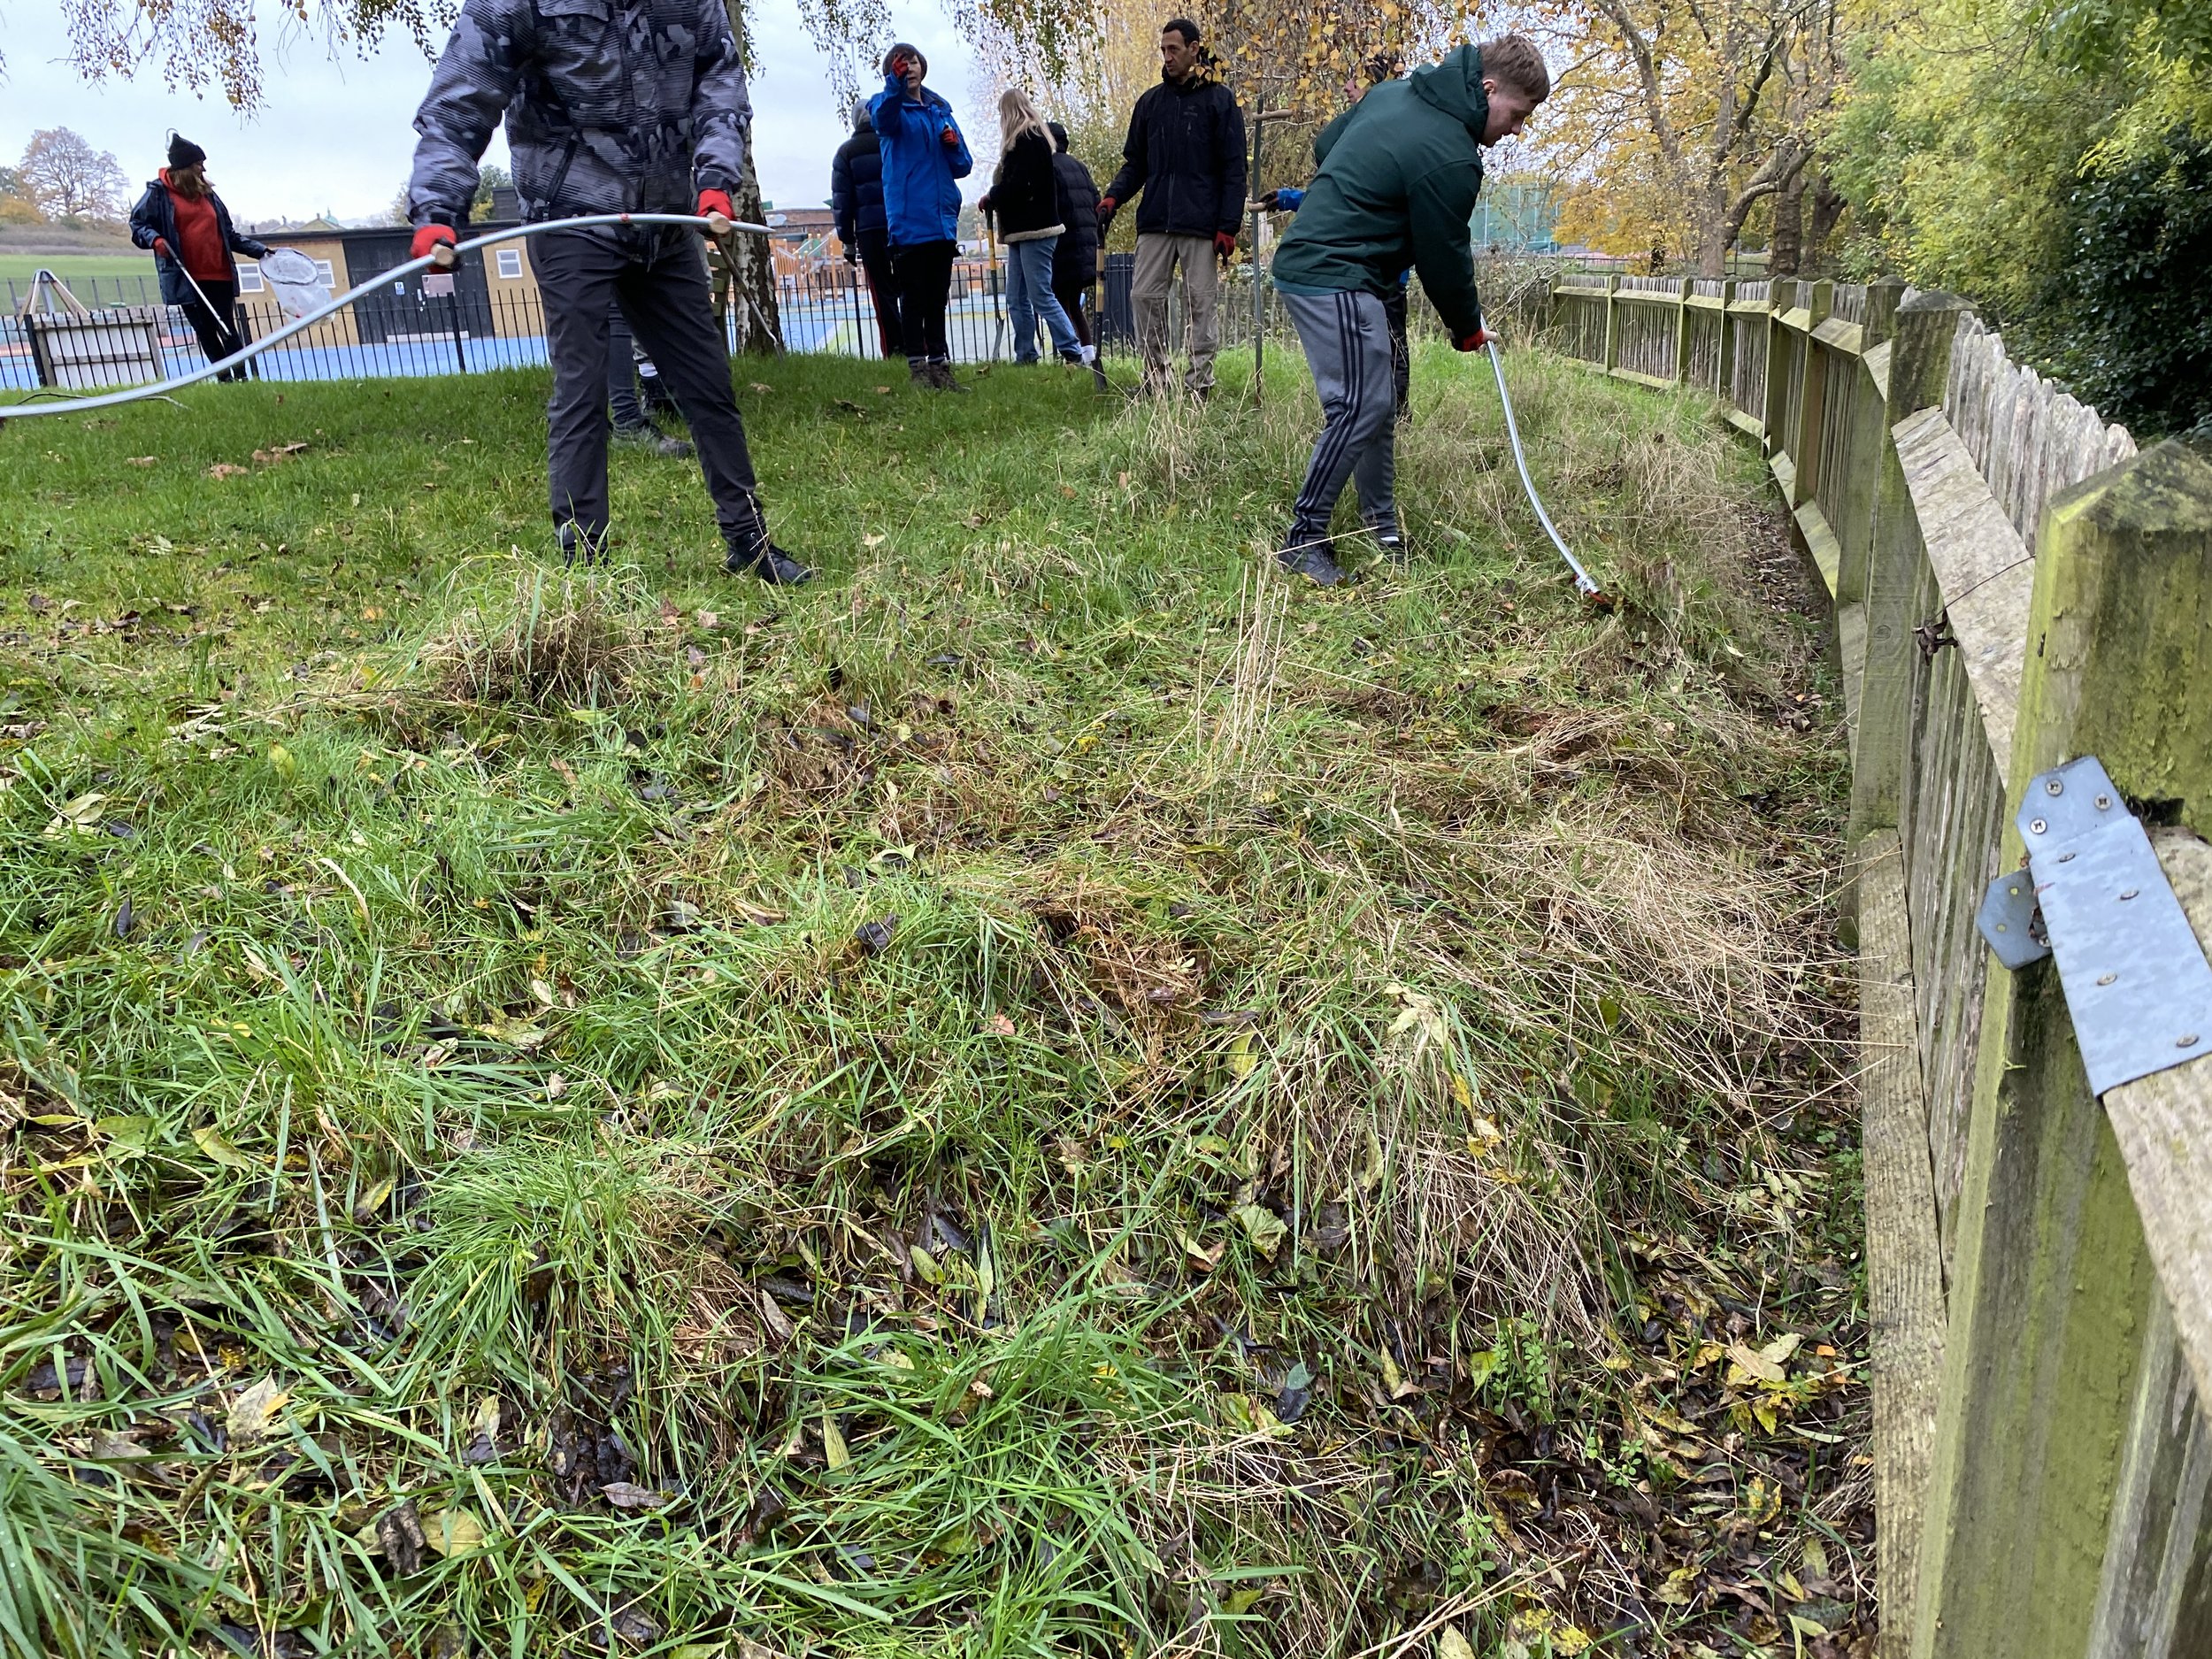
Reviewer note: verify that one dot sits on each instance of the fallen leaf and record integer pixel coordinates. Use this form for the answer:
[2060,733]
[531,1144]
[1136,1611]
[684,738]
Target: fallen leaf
[758,386]
[1398,1387]
[623,1495]
[210,1141]
[1001,1027]
[1262,1227]
[224,469]
[1451,1645]
[280,762]
[871,540]
[452,1532]
[142,460]
[254,1411]
[1754,1365]
[1781,1348]
[833,1449]
[1242,1057]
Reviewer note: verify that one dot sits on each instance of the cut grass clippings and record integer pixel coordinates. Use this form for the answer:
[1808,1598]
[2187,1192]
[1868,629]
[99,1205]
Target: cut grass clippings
[1048,1093]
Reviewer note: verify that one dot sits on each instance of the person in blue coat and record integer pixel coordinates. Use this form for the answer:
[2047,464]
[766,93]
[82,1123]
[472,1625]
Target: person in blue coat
[924,158]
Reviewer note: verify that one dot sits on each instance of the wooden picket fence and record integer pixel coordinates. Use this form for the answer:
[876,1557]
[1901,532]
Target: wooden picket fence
[2013,586]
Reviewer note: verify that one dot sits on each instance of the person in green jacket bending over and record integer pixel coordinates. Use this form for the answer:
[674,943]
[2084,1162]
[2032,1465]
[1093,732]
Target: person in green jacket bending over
[1396,187]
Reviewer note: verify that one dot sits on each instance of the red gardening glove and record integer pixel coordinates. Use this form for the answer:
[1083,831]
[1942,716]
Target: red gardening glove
[161,248]
[1107,208]
[428,237]
[1225,243]
[1477,340]
[950,139]
[716,202]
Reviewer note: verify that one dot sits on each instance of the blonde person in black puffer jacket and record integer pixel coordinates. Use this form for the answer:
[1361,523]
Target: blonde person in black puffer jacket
[1025,200]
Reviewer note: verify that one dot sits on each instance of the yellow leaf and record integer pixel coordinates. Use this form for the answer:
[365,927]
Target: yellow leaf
[1781,1348]
[1676,1592]
[280,762]
[926,1266]
[453,1532]
[1752,1364]
[254,1411]
[1451,1645]
[833,1443]
[1241,1059]
[1461,1093]
[1262,1227]
[210,1141]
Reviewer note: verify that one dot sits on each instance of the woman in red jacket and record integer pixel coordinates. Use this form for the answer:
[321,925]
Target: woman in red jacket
[188,228]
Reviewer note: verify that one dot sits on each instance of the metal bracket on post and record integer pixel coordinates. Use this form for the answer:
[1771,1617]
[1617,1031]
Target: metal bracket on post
[2137,986]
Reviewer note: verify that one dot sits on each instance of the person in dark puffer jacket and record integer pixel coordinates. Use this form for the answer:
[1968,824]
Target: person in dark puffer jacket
[1075,260]
[185,224]
[1186,153]
[857,203]
[1024,199]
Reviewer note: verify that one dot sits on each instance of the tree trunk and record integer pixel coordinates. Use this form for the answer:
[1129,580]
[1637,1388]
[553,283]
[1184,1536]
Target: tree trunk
[744,270]
[1786,250]
[1828,209]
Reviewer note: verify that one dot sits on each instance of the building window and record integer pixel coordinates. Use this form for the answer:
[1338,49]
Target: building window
[329,277]
[250,278]
[510,262]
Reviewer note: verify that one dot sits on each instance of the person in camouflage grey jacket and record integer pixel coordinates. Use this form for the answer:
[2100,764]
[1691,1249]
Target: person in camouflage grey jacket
[611,106]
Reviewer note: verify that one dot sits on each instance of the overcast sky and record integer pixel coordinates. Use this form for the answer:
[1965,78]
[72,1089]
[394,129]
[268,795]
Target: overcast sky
[336,135]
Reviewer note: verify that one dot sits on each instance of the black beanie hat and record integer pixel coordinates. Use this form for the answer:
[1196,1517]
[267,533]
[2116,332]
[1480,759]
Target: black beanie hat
[183,152]
[914,51]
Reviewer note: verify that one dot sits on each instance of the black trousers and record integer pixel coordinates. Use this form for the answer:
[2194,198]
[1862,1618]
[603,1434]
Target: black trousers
[883,288]
[1072,297]
[925,277]
[1401,351]
[222,331]
[657,278]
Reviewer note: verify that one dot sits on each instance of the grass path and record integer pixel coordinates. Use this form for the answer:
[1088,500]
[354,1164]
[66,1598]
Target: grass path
[1048,1093]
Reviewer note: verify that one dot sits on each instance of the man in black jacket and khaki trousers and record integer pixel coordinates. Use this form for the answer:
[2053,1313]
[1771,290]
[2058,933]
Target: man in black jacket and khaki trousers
[1186,154]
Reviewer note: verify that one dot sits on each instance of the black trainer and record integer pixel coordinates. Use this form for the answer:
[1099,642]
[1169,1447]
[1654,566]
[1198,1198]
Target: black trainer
[652,439]
[1392,543]
[770,563]
[1311,560]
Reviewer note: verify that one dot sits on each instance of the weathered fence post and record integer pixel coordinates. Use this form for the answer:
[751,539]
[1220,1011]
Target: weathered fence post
[1812,398]
[1612,322]
[1774,412]
[1724,387]
[1682,331]
[2053,1290]
[1919,358]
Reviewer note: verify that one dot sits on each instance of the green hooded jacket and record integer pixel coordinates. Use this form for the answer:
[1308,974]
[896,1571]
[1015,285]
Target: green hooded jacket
[1397,188]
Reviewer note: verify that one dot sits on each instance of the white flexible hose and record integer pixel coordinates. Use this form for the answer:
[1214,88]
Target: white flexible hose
[131,395]
[1513,433]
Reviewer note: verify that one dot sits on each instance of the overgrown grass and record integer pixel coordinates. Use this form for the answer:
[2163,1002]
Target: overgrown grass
[1049,1093]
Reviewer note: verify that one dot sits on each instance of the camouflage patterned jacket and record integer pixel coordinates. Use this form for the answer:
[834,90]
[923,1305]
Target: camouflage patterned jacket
[611,106]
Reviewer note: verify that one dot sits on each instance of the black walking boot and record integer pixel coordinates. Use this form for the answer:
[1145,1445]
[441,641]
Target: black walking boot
[753,554]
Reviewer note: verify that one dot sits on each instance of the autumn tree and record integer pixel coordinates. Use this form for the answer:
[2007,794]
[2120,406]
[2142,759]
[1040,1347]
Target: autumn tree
[198,43]
[1676,118]
[68,179]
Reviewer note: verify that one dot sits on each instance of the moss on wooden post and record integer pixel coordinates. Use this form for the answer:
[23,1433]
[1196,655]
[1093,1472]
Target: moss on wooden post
[1805,420]
[2053,1288]
[1682,331]
[1726,376]
[1612,322]
[1919,358]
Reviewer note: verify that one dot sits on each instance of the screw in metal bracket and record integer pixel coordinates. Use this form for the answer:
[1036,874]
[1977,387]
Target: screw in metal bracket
[2037,825]
[2054,786]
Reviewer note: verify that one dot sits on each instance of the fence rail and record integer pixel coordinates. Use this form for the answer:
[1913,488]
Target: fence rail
[2012,585]
[828,310]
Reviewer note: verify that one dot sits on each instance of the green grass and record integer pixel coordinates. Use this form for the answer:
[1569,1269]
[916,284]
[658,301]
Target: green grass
[1046,1094]
[74,268]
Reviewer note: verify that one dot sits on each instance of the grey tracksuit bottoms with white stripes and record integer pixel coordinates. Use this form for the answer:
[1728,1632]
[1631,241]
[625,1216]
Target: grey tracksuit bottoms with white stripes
[1347,338]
